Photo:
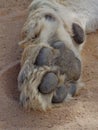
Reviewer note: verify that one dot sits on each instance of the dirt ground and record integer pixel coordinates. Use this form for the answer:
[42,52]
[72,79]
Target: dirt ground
[79,114]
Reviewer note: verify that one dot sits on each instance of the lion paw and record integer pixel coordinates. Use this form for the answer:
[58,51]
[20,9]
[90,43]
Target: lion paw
[48,74]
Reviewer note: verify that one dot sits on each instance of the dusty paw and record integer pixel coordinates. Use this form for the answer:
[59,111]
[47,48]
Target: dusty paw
[40,75]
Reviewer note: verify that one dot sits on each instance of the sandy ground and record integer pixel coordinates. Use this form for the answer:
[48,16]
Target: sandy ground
[78,114]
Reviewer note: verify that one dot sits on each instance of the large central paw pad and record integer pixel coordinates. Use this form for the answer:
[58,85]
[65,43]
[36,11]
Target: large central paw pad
[48,75]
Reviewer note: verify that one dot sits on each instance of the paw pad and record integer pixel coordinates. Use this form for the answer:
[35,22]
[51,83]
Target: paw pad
[60,94]
[48,84]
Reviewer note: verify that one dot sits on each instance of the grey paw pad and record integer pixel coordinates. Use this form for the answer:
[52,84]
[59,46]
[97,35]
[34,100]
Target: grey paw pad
[58,45]
[72,89]
[79,35]
[22,75]
[49,83]
[60,95]
[44,57]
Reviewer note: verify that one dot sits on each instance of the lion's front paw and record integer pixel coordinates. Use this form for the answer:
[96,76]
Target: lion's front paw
[48,74]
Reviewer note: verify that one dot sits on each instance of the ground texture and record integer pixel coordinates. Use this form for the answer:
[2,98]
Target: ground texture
[79,114]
